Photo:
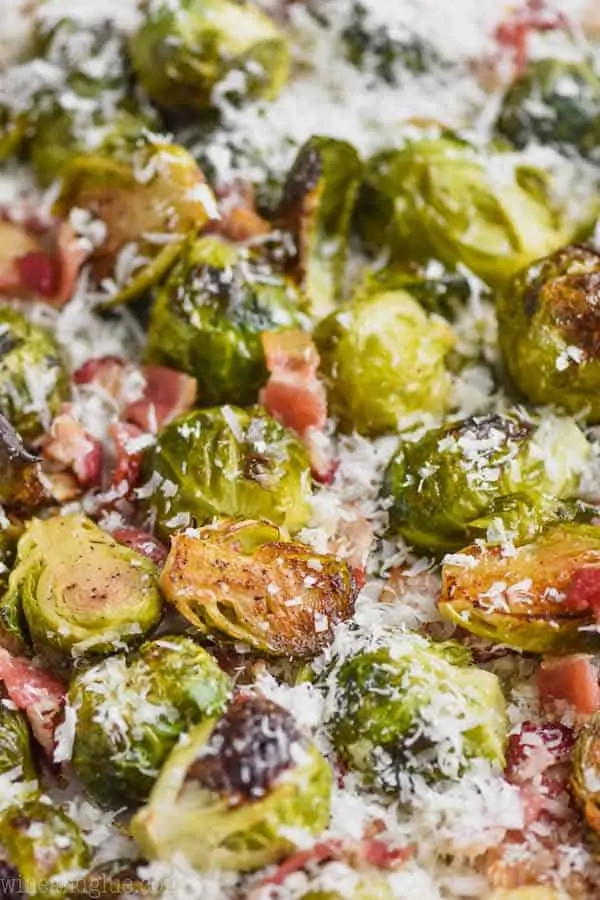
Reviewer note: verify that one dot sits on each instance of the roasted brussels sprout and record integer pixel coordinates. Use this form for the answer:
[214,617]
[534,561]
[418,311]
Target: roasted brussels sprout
[548,327]
[185,51]
[33,378]
[150,194]
[229,792]
[208,317]
[243,580]
[316,207]
[532,598]
[553,102]
[383,358]
[450,485]
[438,197]
[382,50]
[41,844]
[405,706]
[585,778]
[75,590]
[16,758]
[224,462]
[130,713]
[85,97]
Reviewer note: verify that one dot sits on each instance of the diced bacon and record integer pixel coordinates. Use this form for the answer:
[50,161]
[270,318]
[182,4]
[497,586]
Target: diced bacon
[128,459]
[40,263]
[36,692]
[143,542]
[514,32]
[323,466]
[167,393]
[584,591]
[71,253]
[535,749]
[293,394]
[572,680]
[352,542]
[38,273]
[108,372]
[370,851]
[73,447]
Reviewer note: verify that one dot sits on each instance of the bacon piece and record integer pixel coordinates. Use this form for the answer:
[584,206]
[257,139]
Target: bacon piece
[74,448]
[128,458]
[572,680]
[107,372]
[535,749]
[40,263]
[293,394]
[167,393]
[144,543]
[514,32]
[71,253]
[366,852]
[36,692]
[584,591]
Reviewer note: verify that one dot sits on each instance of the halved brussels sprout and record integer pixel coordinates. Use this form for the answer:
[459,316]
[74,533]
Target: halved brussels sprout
[382,358]
[130,714]
[405,706]
[42,844]
[438,197]
[316,207]
[208,317]
[554,102]
[233,787]
[76,590]
[450,485]
[244,581]
[33,377]
[184,52]
[548,325]
[150,194]
[86,96]
[532,598]
[226,462]
[16,758]
[585,777]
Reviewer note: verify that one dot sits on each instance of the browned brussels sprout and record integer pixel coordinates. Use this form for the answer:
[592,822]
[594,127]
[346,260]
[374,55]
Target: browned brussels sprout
[439,197]
[316,207]
[232,793]
[537,597]
[383,358]
[208,317]
[226,462]
[389,713]
[75,590]
[453,483]
[150,194]
[185,51]
[130,713]
[585,778]
[42,845]
[244,581]
[554,102]
[33,375]
[549,330]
